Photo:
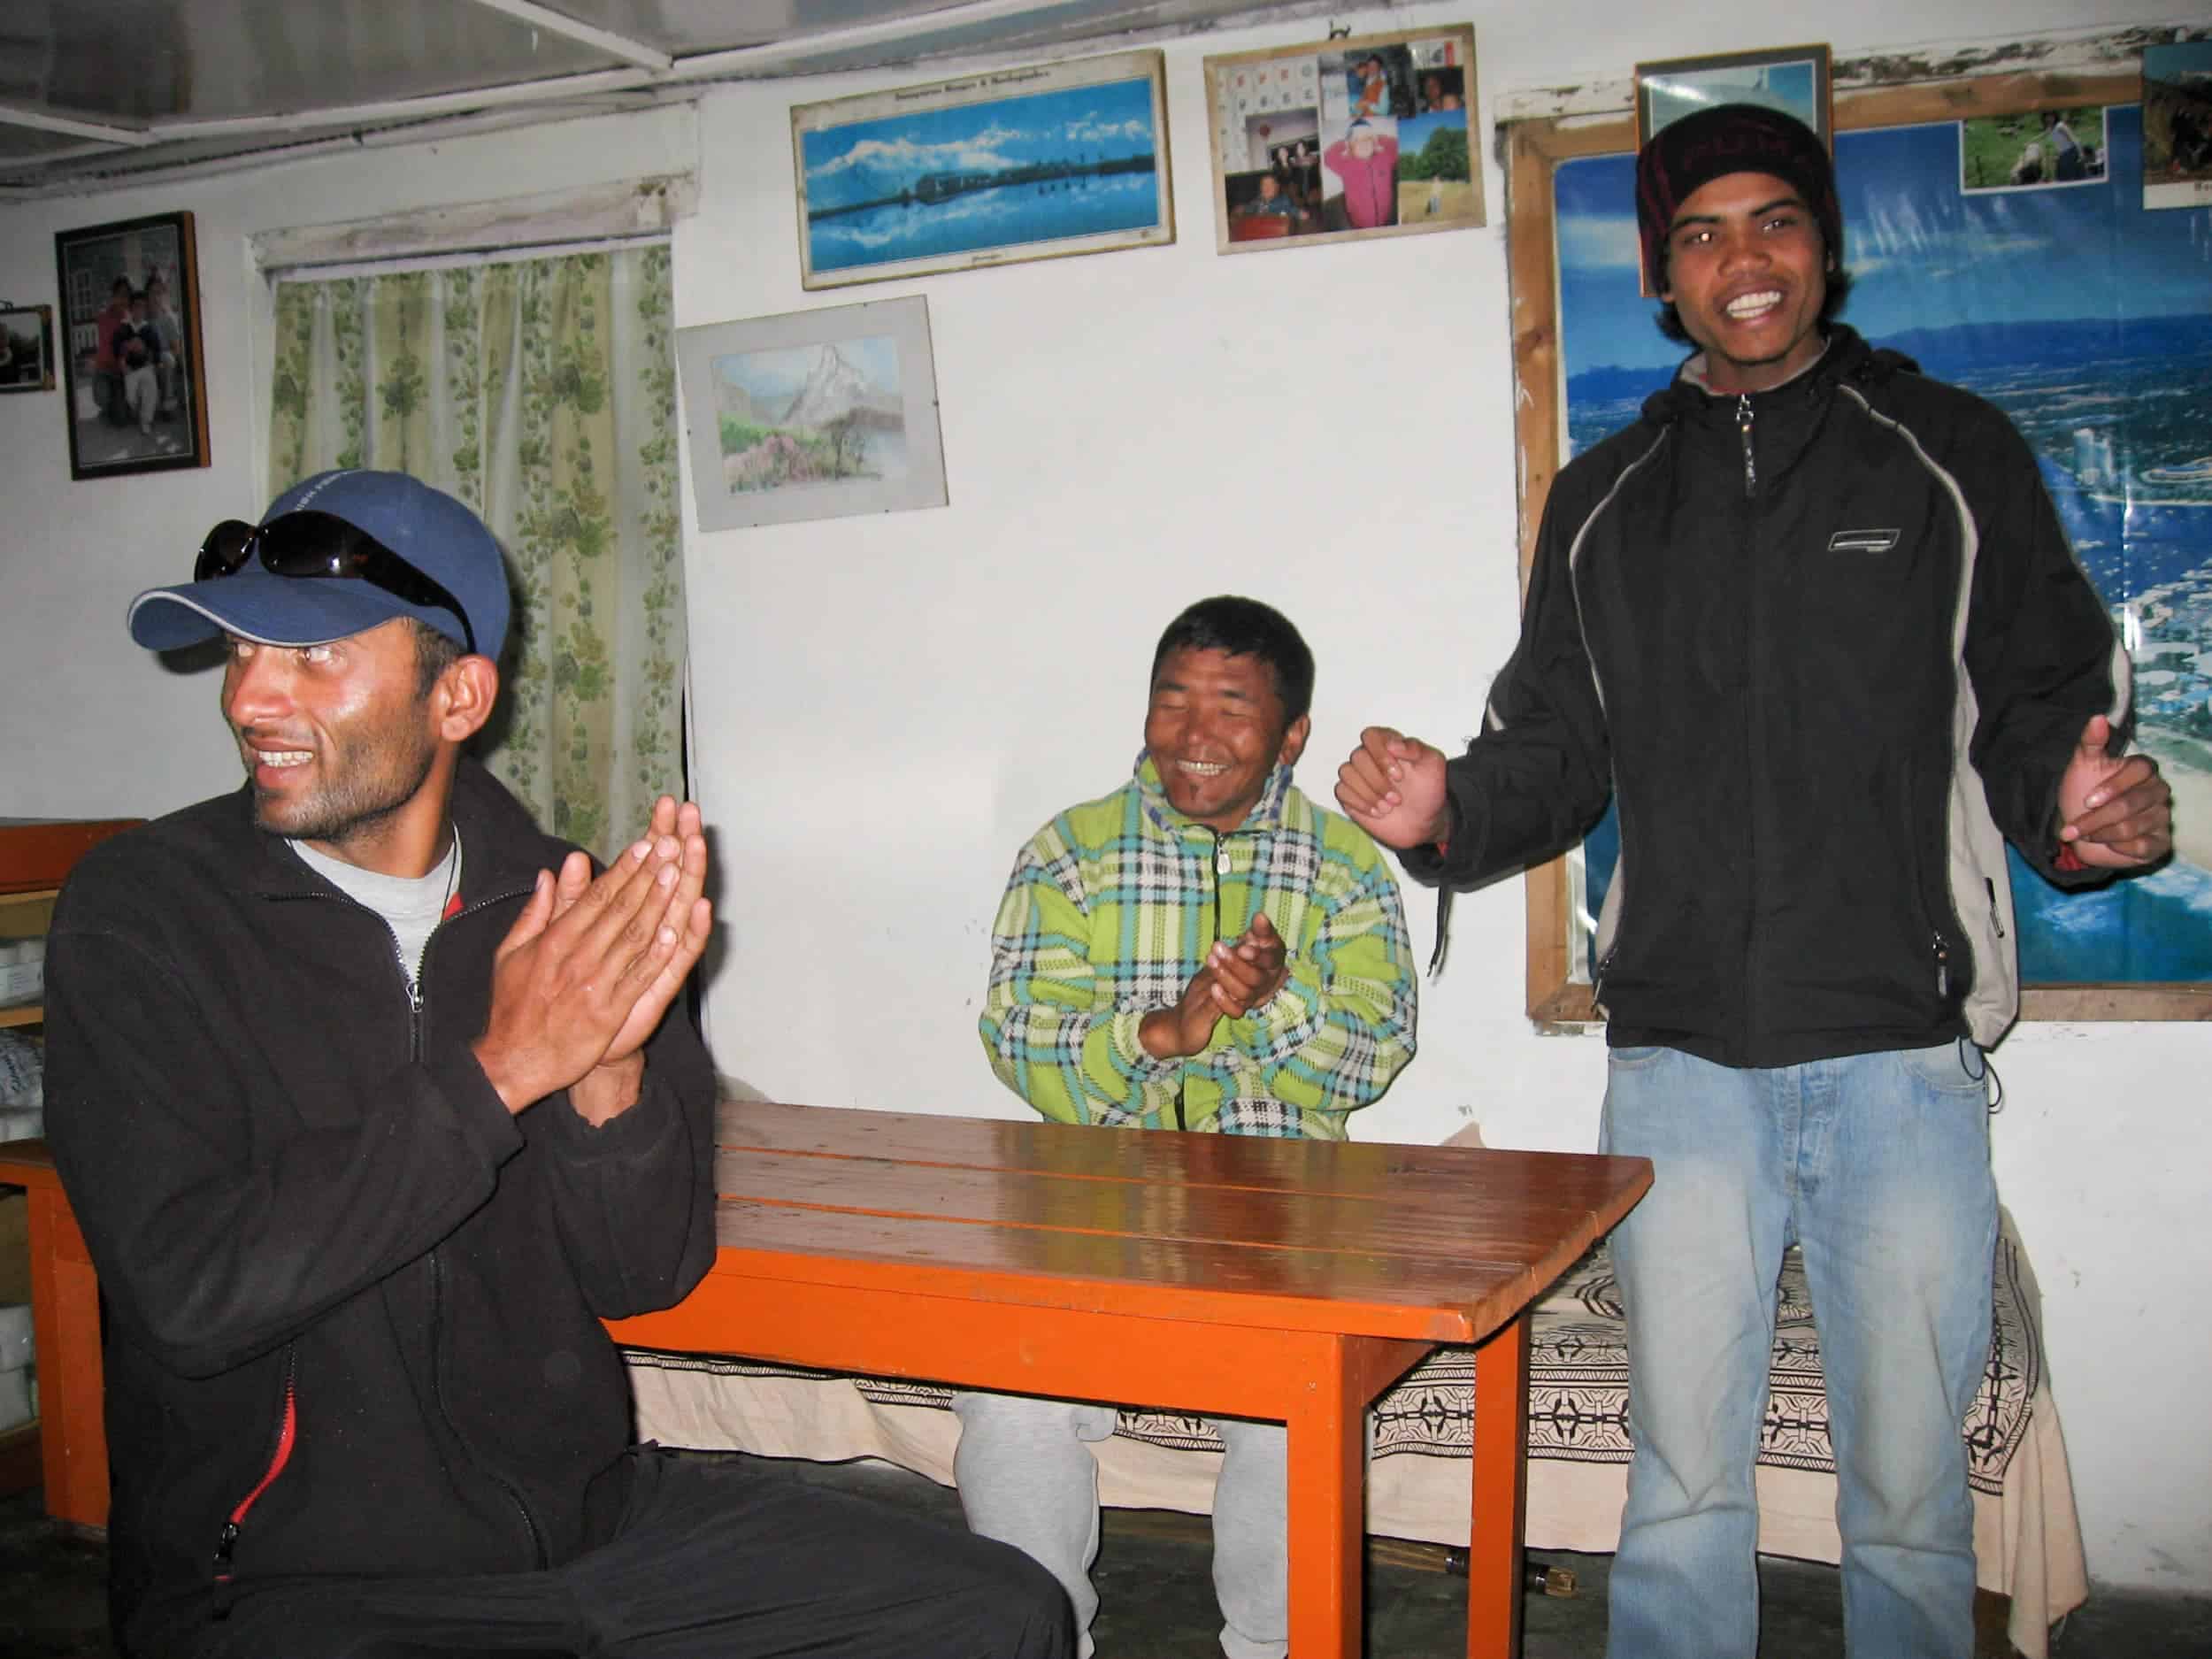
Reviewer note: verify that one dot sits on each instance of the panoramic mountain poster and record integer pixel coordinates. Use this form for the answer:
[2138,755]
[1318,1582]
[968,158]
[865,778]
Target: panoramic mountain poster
[2086,319]
[985,169]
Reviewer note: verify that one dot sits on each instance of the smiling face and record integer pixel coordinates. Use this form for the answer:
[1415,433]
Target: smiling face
[1216,730]
[1747,272]
[338,739]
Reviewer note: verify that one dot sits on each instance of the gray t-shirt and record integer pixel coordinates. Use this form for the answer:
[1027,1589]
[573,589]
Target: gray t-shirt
[410,906]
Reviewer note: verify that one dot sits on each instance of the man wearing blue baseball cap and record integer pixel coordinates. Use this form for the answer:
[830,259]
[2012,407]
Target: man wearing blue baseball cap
[372,1101]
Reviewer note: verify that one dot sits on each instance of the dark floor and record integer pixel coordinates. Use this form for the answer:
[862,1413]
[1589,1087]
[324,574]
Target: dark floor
[1156,1602]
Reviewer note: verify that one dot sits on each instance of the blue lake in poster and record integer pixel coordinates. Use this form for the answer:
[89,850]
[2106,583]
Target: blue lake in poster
[1042,168]
[2088,320]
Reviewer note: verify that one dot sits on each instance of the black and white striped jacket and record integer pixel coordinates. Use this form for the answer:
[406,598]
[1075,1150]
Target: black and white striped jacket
[1830,648]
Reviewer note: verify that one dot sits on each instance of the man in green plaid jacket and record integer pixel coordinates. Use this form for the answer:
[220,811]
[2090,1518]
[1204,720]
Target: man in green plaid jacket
[1202,949]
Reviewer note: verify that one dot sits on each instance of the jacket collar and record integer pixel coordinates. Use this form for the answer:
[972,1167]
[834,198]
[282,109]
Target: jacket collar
[501,846]
[1266,813]
[1847,357]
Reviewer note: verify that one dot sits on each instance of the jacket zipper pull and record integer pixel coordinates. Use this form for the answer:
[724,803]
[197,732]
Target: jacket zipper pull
[225,1588]
[1743,427]
[1943,969]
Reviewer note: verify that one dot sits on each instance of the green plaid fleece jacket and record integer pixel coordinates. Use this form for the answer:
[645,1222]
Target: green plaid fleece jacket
[1110,911]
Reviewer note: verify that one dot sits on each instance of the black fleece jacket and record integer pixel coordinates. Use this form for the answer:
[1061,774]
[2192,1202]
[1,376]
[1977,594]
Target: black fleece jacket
[1828,647]
[353,1304]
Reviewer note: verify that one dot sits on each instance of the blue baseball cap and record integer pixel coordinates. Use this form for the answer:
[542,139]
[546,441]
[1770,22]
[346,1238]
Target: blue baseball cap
[430,530]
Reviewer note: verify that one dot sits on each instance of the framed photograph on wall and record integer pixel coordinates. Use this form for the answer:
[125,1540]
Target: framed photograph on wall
[818,414]
[987,169]
[1370,135]
[2177,125]
[130,306]
[2034,150]
[27,347]
[1792,78]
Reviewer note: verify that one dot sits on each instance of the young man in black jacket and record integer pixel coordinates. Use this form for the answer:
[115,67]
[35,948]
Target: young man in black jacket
[1812,622]
[372,1101]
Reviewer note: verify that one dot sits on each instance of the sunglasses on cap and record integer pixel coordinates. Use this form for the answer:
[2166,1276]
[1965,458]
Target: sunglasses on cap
[313,544]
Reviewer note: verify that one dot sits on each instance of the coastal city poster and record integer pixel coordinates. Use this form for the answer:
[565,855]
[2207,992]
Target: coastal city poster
[1016,165]
[2088,321]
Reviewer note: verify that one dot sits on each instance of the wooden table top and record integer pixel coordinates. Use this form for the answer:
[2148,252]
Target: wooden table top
[1440,1244]
[1432,1243]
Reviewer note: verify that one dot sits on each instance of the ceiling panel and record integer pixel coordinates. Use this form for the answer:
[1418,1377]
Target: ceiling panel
[300,71]
[685,29]
[23,144]
[136,61]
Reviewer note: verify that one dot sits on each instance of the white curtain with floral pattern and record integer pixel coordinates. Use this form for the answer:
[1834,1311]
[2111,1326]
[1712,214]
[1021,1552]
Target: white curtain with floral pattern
[543,392]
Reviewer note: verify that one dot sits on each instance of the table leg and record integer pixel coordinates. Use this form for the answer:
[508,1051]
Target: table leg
[1501,1494]
[66,1326]
[1327,1459]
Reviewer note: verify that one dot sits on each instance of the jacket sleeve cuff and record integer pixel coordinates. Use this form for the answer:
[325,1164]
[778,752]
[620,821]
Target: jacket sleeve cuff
[624,1135]
[483,1116]
[1129,1056]
[1434,863]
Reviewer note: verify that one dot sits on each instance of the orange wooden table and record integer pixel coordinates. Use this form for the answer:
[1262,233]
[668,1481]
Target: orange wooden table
[1286,1280]
[65,1341]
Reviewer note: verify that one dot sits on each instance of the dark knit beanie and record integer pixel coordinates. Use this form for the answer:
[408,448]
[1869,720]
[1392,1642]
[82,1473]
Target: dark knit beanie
[1692,152]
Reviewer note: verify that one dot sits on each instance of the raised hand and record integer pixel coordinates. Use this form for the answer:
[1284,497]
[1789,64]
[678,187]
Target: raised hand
[590,966]
[2114,812]
[1248,971]
[1237,976]
[688,913]
[1393,788]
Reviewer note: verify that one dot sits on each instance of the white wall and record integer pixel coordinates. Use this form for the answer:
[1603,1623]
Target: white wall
[886,707]
[98,726]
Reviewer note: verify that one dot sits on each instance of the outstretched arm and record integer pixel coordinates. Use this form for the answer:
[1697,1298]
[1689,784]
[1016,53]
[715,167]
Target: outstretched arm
[1536,779]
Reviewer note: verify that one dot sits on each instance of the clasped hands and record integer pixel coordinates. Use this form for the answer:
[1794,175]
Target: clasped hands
[590,966]
[1237,976]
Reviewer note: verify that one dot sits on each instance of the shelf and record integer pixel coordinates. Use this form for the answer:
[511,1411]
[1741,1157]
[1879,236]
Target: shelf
[38,852]
[23,1014]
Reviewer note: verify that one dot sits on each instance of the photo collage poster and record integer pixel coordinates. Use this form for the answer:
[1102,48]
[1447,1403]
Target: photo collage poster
[1360,134]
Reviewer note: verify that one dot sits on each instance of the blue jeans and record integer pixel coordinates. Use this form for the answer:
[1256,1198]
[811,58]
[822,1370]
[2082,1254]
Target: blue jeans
[1877,1167]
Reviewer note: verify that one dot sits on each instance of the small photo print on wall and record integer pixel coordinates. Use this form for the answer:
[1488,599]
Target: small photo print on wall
[818,414]
[1343,139]
[2037,149]
[1795,79]
[2177,125]
[27,347]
